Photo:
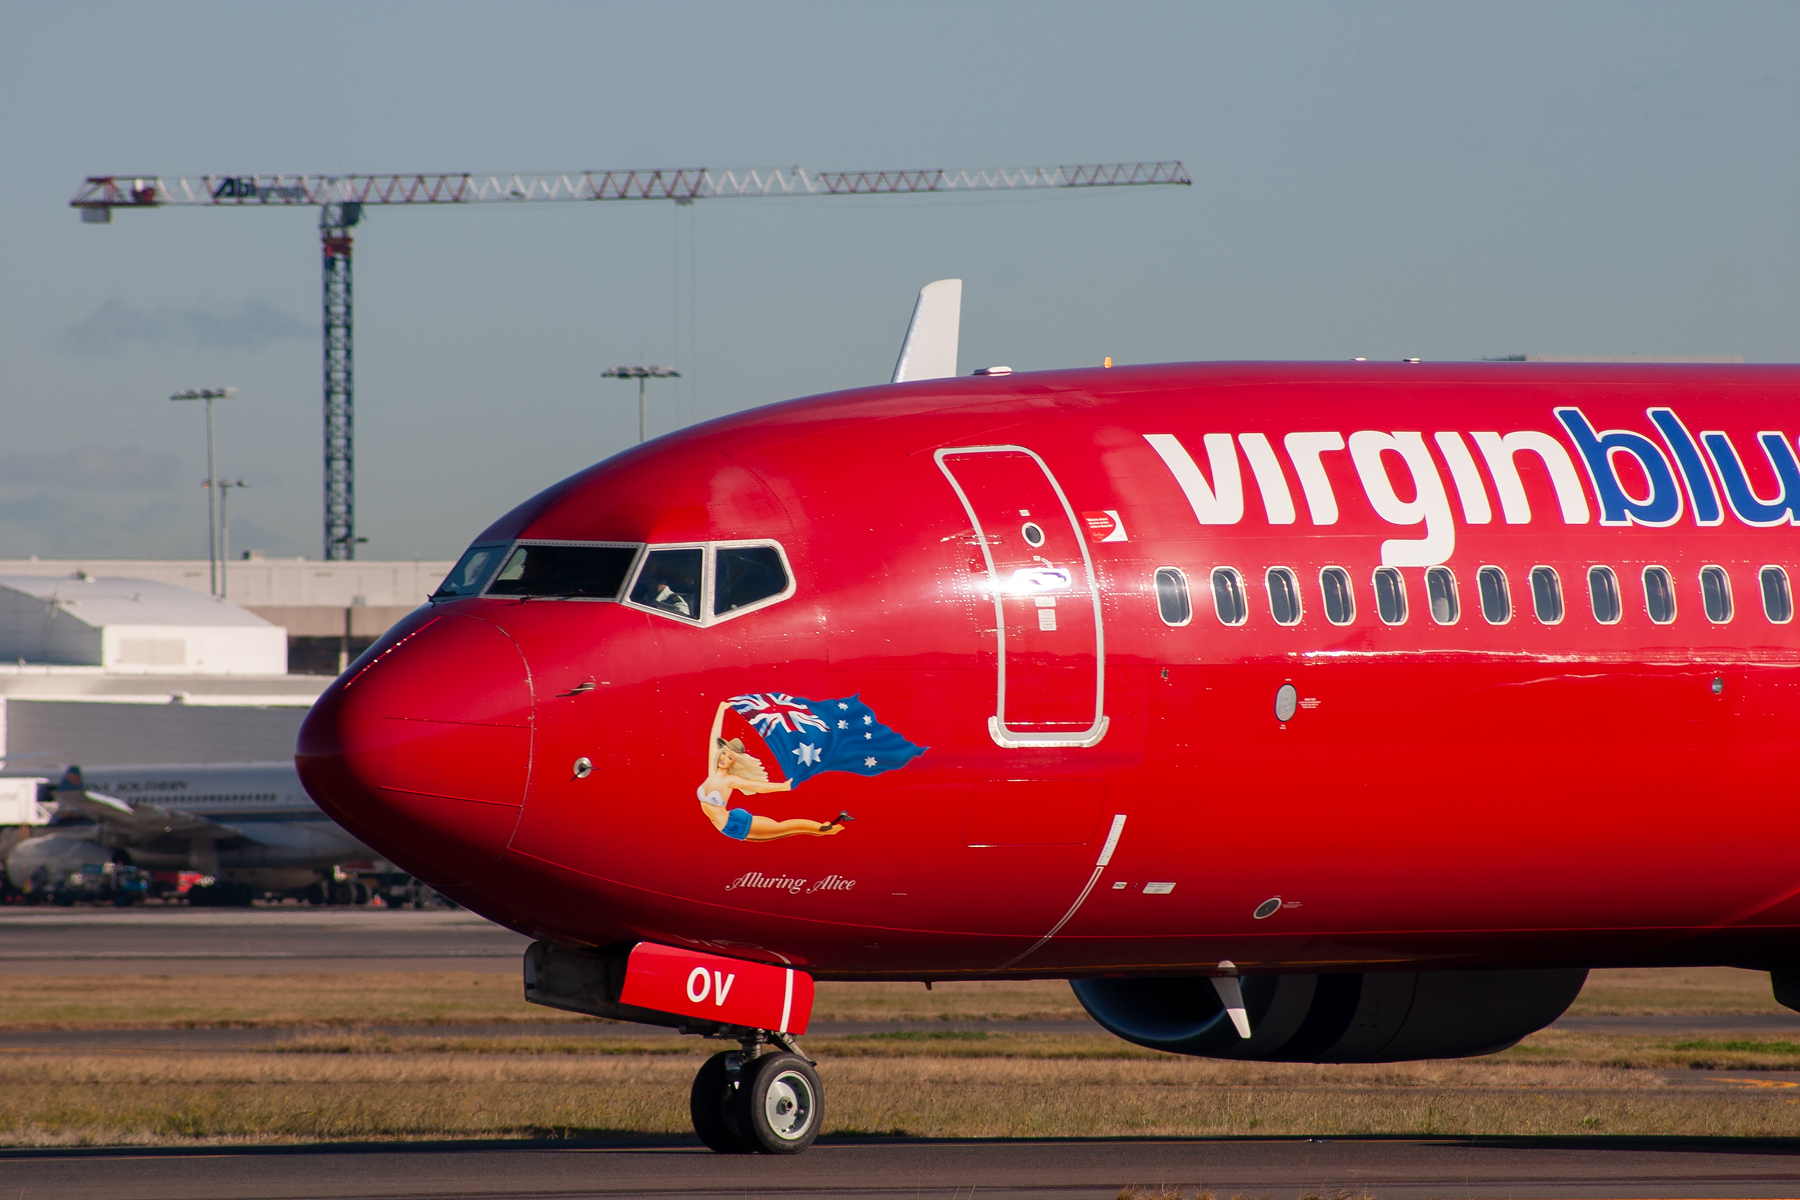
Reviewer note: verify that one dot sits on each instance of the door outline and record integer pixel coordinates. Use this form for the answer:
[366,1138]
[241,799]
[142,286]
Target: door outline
[1020,739]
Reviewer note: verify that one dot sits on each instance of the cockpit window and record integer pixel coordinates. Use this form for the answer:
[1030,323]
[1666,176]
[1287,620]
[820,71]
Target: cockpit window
[472,570]
[716,581]
[594,572]
[670,582]
[745,574]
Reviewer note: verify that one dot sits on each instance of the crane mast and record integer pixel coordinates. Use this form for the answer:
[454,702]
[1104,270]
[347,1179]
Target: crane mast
[335,222]
[341,199]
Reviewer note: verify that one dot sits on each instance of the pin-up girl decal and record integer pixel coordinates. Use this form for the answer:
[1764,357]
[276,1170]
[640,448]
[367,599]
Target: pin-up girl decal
[822,735]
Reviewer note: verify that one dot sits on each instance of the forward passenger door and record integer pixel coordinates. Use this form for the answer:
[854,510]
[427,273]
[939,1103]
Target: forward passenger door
[1050,644]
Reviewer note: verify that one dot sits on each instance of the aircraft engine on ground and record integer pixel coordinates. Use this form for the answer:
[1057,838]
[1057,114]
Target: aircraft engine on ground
[39,861]
[1390,1016]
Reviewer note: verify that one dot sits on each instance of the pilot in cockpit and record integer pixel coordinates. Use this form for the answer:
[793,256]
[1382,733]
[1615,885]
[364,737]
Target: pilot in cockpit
[668,585]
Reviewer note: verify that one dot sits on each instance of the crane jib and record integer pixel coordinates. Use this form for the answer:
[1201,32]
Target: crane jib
[342,197]
[687,183]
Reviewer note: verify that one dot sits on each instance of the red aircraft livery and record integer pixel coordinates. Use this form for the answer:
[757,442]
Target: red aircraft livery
[1305,712]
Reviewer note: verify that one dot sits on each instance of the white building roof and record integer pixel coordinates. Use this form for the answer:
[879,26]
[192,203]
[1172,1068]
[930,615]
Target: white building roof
[99,602]
[133,627]
[279,582]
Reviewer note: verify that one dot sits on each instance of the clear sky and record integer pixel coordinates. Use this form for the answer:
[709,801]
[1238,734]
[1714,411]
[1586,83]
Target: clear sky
[1438,180]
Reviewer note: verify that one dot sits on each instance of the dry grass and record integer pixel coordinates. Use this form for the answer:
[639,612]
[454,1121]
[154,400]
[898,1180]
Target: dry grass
[1726,1052]
[1550,1048]
[1692,990]
[235,1001]
[440,998]
[899,1044]
[1011,1000]
[478,998]
[146,1098]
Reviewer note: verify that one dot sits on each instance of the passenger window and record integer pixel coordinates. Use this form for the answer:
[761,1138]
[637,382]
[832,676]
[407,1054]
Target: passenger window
[1440,590]
[472,571]
[1340,605]
[1659,595]
[1390,595]
[1284,596]
[1603,590]
[1715,590]
[670,582]
[543,569]
[1172,601]
[1546,595]
[1228,596]
[1496,597]
[1778,601]
[742,575]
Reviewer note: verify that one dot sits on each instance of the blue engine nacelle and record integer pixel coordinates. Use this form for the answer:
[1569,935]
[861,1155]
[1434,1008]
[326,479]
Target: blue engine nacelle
[1389,1016]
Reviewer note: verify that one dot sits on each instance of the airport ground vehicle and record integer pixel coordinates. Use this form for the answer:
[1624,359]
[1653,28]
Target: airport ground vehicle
[51,873]
[1343,712]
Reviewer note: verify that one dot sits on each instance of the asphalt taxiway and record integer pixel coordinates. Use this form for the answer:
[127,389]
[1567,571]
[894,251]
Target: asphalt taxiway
[1384,1168]
[214,941]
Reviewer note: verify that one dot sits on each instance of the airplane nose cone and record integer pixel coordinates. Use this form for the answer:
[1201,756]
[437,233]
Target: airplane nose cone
[423,752]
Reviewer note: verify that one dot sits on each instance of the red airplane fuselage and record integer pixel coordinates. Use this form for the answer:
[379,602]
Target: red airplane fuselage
[1312,668]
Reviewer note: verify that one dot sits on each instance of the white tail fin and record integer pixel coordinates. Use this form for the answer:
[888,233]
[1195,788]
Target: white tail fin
[929,351]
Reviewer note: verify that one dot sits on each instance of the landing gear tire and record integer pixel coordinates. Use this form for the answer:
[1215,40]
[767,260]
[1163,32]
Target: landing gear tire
[779,1103]
[713,1101]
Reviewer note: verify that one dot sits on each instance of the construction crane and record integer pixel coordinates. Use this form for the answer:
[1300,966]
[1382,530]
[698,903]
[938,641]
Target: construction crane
[341,199]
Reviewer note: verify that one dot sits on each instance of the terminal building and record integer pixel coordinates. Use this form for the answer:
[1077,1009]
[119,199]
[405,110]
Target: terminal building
[135,661]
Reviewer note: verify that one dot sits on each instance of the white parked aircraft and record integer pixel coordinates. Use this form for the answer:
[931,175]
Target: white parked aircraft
[251,826]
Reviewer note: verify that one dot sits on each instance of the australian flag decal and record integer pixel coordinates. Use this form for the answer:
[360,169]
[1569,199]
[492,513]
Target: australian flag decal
[810,736]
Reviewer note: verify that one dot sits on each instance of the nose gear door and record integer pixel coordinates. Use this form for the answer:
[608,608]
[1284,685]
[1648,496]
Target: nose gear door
[1050,646]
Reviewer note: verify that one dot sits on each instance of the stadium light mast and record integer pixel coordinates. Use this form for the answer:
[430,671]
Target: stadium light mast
[642,375]
[342,198]
[225,486]
[212,478]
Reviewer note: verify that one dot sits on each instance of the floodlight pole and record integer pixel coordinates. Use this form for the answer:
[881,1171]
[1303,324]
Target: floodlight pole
[212,478]
[225,486]
[642,375]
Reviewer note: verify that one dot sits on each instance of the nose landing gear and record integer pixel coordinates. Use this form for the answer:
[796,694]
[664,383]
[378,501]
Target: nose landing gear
[762,1098]
[749,1102]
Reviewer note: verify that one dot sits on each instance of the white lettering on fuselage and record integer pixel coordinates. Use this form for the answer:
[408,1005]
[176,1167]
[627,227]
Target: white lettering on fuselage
[790,884]
[1705,475]
[1429,503]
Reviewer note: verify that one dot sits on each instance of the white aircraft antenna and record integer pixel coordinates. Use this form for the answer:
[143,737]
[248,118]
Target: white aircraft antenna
[929,351]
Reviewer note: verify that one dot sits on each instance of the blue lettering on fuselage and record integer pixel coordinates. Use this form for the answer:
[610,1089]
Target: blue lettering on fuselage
[1618,507]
